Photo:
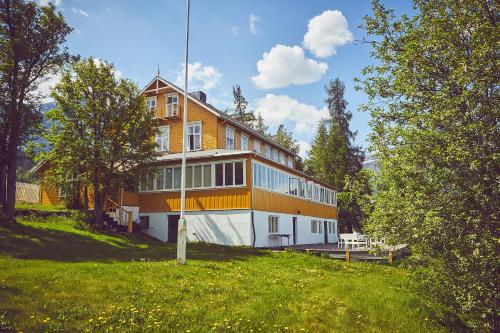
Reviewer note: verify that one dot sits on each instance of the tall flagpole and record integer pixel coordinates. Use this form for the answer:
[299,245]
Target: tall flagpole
[181,232]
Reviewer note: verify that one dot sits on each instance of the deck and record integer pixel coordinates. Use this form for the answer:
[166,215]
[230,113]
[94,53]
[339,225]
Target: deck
[356,254]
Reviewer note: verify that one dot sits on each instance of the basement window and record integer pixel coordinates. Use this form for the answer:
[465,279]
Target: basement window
[273,224]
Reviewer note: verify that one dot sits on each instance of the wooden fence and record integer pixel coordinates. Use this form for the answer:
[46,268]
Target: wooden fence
[26,192]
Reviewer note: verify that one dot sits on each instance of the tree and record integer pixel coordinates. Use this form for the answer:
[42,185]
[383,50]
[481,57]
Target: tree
[239,111]
[434,101]
[101,130]
[260,125]
[31,39]
[355,200]
[333,155]
[285,139]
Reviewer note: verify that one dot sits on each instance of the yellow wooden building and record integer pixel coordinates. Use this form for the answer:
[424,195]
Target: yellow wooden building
[242,187]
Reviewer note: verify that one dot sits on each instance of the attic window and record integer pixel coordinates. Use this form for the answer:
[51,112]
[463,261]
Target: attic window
[151,102]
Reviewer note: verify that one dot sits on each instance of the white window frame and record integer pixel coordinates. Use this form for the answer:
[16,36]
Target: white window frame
[282,158]
[192,124]
[169,112]
[162,148]
[149,99]
[314,226]
[267,151]
[275,155]
[290,162]
[145,176]
[229,129]
[273,224]
[256,147]
[244,137]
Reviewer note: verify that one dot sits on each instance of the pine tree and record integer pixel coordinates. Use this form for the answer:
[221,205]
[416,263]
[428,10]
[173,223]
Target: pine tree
[239,111]
[260,125]
[316,162]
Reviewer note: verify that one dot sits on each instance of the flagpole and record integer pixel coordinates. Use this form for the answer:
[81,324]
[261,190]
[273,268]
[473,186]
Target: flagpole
[181,232]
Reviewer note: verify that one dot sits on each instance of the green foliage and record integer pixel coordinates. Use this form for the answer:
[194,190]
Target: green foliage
[131,283]
[434,104]
[356,202]
[333,156]
[260,125]
[101,130]
[31,49]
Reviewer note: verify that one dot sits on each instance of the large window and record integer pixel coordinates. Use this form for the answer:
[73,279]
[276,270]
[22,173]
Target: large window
[172,107]
[276,180]
[194,137]
[244,142]
[229,173]
[274,224]
[197,176]
[229,138]
[162,138]
[256,146]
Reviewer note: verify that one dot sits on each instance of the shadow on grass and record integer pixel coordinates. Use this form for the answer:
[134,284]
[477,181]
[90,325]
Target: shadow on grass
[26,242]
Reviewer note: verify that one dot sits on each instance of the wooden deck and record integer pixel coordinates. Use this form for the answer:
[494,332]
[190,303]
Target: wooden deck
[356,254]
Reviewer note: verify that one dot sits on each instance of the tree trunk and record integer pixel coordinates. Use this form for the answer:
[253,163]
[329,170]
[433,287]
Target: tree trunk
[98,204]
[10,203]
[86,198]
[3,184]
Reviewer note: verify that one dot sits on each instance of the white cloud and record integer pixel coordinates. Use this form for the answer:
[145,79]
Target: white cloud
[326,32]
[278,109]
[46,85]
[287,65]
[56,3]
[305,147]
[79,11]
[235,30]
[252,23]
[199,77]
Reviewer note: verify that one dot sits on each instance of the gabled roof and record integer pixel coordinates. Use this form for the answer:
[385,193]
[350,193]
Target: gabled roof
[218,113]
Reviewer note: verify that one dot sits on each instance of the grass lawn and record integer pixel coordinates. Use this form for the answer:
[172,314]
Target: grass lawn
[56,275]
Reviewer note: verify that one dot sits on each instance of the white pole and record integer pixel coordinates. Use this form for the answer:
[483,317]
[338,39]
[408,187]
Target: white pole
[181,232]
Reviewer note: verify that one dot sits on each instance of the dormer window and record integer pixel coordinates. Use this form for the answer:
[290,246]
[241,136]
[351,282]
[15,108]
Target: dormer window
[290,162]
[267,151]
[151,102]
[172,107]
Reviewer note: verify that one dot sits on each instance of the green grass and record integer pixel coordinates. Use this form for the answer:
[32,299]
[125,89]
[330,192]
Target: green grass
[57,275]
[40,207]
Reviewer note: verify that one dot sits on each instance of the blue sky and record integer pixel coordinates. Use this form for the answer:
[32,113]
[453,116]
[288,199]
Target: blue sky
[281,52]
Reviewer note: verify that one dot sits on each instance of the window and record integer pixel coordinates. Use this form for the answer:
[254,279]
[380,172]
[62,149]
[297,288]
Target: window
[162,138]
[207,175]
[160,179]
[256,146]
[244,142]
[172,108]
[273,224]
[169,177]
[290,162]
[330,227]
[151,102]
[238,173]
[282,158]
[320,227]
[229,173]
[194,137]
[189,176]
[197,176]
[177,177]
[268,151]
[314,226]
[275,155]
[229,138]
[292,186]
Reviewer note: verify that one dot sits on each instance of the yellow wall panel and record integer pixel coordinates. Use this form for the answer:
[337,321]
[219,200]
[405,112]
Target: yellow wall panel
[275,202]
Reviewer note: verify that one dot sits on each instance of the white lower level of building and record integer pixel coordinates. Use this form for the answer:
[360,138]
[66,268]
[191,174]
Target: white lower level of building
[243,228]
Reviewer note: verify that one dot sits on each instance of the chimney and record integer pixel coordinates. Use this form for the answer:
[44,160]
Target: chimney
[200,95]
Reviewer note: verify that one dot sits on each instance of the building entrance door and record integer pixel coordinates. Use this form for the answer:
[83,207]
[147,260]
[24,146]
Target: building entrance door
[173,224]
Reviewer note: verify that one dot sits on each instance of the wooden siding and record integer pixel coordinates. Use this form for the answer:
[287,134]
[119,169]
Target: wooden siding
[217,199]
[275,202]
[196,113]
[49,195]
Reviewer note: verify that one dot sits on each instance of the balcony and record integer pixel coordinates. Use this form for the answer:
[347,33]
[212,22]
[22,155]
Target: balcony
[171,111]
